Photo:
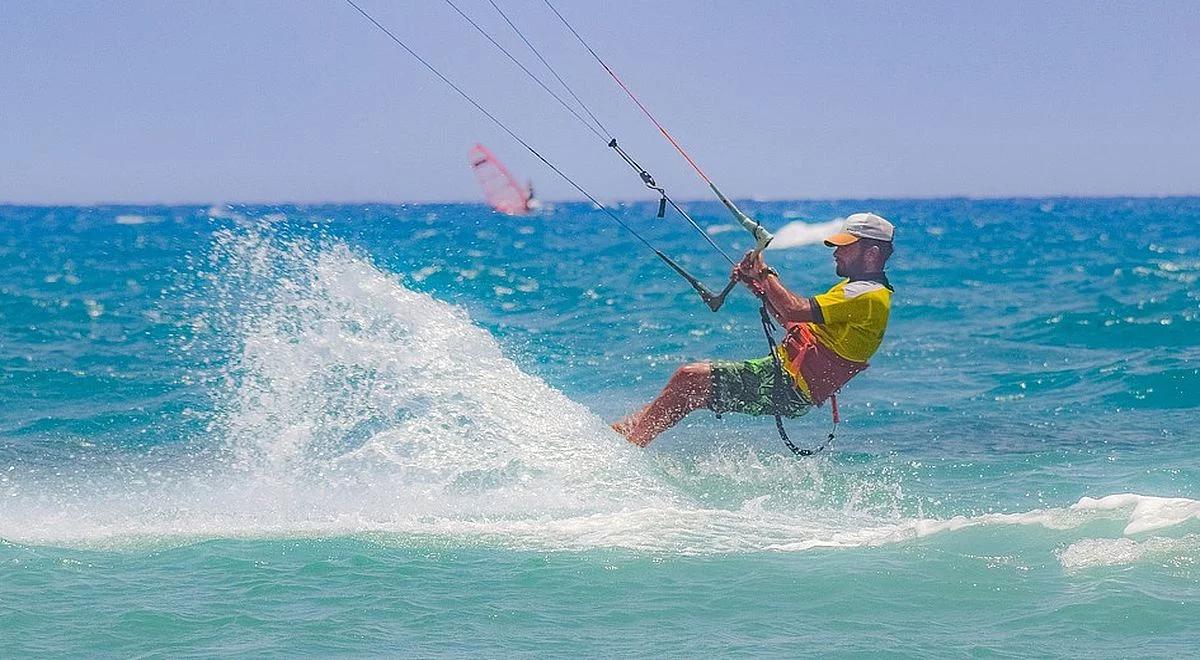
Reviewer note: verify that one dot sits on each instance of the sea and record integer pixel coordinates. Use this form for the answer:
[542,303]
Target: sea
[383,430]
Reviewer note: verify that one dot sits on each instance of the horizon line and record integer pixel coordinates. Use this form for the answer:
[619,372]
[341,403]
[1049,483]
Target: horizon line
[899,198]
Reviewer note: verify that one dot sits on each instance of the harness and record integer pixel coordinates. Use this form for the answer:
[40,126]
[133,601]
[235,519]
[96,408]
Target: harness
[781,384]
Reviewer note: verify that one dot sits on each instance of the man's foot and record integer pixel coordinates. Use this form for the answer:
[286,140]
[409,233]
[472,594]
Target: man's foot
[628,430]
[628,423]
[624,426]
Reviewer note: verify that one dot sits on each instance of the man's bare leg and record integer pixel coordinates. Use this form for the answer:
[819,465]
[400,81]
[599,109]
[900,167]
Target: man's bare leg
[690,388]
[625,425]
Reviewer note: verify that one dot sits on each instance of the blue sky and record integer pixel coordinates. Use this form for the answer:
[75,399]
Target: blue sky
[304,101]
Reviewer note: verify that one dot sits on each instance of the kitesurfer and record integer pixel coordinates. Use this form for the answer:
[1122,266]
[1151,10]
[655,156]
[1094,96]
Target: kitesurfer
[829,339]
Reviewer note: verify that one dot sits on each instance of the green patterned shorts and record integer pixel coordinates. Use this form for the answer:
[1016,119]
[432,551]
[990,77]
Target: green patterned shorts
[748,387]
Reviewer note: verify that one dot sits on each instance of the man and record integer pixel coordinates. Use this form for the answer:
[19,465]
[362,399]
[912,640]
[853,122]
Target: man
[829,339]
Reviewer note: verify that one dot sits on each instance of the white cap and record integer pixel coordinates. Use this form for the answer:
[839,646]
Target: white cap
[862,225]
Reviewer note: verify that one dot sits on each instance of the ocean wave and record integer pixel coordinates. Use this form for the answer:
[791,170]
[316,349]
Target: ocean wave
[1171,322]
[263,509]
[131,219]
[1093,553]
[350,405]
[797,233]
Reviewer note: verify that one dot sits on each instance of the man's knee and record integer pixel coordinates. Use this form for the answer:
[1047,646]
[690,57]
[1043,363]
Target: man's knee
[694,378]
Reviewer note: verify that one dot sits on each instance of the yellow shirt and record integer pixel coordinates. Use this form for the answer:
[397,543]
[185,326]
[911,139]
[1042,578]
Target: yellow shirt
[855,315]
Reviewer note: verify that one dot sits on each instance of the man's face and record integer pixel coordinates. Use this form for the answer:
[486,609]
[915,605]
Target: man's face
[848,259]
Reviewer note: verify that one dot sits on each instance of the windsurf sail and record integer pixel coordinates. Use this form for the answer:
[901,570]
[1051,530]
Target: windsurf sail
[500,189]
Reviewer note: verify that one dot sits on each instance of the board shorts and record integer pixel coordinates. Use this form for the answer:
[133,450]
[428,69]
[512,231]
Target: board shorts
[748,387]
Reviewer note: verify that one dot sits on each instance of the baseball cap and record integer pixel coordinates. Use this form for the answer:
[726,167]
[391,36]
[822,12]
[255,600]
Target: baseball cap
[862,225]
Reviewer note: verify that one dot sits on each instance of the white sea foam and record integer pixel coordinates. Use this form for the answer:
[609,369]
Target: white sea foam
[1139,513]
[350,404]
[130,219]
[797,233]
[1090,553]
[793,234]
[1147,513]
[222,211]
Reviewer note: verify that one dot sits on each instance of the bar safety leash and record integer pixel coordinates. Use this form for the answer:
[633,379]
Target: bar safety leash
[780,388]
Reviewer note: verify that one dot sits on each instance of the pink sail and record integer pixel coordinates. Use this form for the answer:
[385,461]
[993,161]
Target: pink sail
[501,190]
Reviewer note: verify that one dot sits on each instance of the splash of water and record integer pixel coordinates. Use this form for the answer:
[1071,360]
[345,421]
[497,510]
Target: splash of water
[347,403]
[797,233]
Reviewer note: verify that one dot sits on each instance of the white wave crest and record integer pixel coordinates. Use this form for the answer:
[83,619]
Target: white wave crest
[130,219]
[1091,553]
[797,233]
[349,404]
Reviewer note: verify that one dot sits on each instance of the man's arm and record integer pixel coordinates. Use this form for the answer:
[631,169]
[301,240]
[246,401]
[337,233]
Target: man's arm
[784,305]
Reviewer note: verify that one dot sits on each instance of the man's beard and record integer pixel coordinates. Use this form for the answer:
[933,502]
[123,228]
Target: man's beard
[848,267]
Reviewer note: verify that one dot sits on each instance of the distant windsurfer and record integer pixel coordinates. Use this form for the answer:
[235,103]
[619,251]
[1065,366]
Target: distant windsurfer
[829,339]
[500,188]
[532,205]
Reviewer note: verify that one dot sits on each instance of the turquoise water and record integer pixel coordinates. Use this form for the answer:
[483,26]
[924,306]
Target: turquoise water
[361,430]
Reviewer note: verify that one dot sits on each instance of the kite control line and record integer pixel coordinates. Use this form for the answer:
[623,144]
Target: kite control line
[762,237]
